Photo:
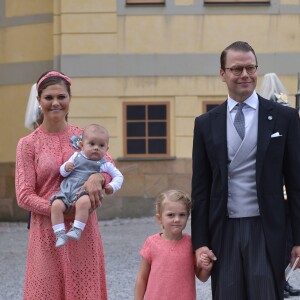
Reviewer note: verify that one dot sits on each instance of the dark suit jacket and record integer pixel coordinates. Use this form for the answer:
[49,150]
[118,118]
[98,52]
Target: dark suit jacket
[276,158]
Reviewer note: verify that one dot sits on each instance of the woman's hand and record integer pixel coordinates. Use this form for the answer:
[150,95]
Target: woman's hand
[94,188]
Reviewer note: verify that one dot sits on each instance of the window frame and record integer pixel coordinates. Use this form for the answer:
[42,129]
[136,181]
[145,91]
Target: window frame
[237,2]
[210,102]
[132,2]
[146,138]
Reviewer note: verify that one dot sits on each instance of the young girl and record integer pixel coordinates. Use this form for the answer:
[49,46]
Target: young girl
[168,268]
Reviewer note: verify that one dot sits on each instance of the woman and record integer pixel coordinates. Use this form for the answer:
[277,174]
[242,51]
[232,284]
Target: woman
[76,271]
[273,89]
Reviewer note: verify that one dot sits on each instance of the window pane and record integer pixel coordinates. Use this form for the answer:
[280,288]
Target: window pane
[136,112]
[157,146]
[211,106]
[157,112]
[146,129]
[157,128]
[236,1]
[136,129]
[136,146]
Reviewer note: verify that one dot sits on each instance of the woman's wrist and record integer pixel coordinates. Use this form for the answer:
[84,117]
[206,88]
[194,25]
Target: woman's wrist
[101,179]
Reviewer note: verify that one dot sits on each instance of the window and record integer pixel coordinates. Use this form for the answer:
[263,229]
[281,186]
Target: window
[145,1]
[208,105]
[237,1]
[146,130]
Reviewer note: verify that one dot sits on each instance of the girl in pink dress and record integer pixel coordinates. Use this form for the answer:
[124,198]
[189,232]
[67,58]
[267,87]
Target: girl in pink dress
[77,271]
[168,267]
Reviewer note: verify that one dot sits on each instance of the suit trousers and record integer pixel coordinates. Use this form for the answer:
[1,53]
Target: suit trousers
[243,269]
[289,241]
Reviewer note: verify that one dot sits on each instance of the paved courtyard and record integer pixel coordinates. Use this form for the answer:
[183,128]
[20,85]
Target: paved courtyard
[122,239]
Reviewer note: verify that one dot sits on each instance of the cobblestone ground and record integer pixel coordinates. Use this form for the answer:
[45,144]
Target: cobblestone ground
[122,239]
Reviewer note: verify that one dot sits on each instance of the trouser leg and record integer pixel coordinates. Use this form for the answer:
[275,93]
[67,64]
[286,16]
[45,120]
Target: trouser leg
[243,270]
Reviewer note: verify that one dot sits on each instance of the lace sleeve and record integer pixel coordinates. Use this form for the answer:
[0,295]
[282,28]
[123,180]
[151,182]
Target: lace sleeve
[27,197]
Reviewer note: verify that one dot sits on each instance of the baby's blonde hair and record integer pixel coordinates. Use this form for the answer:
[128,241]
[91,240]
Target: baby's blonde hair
[174,196]
[98,128]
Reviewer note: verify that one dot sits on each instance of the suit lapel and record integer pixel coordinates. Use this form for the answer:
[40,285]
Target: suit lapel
[266,120]
[220,137]
[246,147]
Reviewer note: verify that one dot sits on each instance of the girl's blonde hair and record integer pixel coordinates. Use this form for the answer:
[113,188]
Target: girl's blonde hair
[174,196]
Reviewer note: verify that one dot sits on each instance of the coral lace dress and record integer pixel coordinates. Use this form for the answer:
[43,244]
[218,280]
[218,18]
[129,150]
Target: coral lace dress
[75,271]
[172,274]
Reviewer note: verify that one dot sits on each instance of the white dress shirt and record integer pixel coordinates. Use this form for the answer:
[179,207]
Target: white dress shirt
[249,110]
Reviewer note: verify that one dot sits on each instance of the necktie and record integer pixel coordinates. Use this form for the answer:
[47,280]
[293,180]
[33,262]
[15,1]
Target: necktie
[239,120]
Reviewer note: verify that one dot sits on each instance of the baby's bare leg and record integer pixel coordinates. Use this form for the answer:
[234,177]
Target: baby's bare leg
[57,218]
[57,212]
[83,205]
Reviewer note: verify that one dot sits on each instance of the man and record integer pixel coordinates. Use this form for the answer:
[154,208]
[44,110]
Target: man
[240,155]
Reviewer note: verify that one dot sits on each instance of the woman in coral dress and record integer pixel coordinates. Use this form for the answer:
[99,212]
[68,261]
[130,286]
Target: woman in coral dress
[77,270]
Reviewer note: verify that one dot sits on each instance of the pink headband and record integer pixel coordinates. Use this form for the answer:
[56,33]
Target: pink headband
[51,74]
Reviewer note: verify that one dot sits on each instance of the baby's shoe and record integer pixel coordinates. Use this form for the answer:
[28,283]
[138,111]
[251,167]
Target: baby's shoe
[61,238]
[74,233]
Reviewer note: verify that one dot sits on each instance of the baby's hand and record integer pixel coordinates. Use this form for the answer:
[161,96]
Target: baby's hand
[108,189]
[69,166]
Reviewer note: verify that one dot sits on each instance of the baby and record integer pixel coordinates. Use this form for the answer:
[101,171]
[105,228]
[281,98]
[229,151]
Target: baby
[90,160]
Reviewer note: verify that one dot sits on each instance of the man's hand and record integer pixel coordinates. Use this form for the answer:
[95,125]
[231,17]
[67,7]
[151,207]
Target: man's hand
[202,254]
[94,188]
[295,253]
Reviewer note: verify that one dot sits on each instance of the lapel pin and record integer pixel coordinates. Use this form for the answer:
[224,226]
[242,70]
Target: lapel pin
[270,118]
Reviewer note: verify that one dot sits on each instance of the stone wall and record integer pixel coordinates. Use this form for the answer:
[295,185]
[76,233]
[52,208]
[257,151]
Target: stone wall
[143,181]
[9,210]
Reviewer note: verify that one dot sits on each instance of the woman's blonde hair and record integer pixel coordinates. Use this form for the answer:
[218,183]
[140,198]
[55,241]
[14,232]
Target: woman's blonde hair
[174,196]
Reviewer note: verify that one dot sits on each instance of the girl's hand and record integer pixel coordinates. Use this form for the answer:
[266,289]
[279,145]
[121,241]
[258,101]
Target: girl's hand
[201,254]
[205,260]
[207,263]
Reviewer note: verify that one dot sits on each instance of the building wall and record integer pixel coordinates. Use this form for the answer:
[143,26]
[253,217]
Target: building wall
[116,53]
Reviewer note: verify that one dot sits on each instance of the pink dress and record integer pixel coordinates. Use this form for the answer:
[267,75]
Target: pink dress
[172,274]
[75,271]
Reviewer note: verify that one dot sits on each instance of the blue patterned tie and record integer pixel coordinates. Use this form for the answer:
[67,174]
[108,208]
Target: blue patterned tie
[239,120]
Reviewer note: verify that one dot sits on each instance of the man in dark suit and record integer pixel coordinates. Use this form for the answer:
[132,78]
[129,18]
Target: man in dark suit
[242,149]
